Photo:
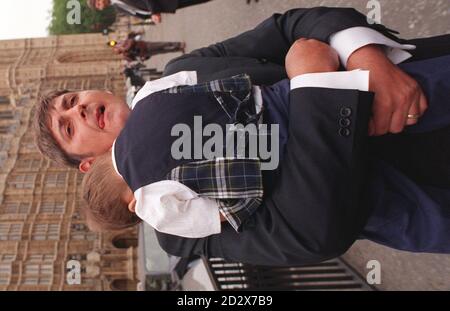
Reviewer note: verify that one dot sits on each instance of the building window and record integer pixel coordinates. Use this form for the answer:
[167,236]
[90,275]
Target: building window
[4,145]
[28,164]
[79,227]
[38,274]
[76,216]
[16,207]
[41,257]
[5,129]
[124,241]
[10,232]
[23,102]
[74,85]
[3,158]
[56,180]
[4,100]
[123,285]
[53,207]
[23,181]
[6,115]
[46,232]
[97,84]
[28,142]
[56,166]
[79,179]
[52,85]
[89,282]
[5,273]
[78,257]
[81,232]
[4,258]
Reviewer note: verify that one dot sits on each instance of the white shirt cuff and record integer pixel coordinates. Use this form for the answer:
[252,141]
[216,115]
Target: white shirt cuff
[171,207]
[347,41]
[346,80]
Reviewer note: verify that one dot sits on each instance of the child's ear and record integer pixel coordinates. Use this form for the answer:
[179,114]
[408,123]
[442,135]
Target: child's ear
[132,206]
[85,164]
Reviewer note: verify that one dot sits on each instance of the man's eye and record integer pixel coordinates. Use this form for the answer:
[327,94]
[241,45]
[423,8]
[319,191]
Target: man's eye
[73,101]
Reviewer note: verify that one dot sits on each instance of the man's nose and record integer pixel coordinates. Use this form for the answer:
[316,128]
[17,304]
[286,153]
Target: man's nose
[79,111]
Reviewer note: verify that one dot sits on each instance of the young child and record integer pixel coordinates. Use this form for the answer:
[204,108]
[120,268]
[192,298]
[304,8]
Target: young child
[111,205]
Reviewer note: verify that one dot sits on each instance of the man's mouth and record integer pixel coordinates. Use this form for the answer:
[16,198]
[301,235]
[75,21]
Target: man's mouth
[101,117]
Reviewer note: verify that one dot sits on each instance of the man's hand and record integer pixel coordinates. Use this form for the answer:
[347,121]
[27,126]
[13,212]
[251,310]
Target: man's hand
[397,95]
[310,56]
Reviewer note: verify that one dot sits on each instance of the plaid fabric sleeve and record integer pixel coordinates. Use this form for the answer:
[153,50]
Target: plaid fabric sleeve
[235,183]
[235,84]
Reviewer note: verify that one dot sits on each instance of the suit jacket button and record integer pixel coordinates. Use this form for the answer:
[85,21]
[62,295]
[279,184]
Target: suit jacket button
[345,122]
[344,132]
[263,61]
[346,112]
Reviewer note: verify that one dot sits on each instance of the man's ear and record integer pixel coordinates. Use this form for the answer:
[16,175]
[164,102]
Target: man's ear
[85,164]
[132,206]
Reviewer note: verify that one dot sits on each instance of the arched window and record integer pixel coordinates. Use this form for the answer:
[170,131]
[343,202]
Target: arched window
[124,285]
[124,241]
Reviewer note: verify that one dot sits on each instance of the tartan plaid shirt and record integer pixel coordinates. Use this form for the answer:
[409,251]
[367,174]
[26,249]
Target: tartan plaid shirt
[234,182]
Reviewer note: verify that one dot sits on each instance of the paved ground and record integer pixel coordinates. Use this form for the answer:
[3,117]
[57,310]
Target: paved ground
[208,23]
[219,19]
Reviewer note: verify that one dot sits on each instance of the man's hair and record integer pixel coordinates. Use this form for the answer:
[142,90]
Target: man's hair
[45,141]
[91,4]
[103,191]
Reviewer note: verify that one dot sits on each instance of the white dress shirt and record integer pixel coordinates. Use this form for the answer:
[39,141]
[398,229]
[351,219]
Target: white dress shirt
[173,208]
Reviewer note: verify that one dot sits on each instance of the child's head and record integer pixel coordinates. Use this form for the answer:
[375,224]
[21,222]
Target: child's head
[110,202]
[73,128]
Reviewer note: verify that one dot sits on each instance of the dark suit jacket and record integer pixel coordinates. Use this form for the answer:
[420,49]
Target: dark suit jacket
[155,6]
[329,217]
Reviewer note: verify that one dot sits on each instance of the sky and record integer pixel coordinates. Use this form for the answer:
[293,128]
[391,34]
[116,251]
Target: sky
[24,18]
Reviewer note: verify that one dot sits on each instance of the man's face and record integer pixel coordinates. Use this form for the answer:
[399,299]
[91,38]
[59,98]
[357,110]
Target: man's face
[101,4]
[87,123]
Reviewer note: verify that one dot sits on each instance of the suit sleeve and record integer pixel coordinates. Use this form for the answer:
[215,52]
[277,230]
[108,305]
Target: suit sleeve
[141,16]
[270,40]
[322,185]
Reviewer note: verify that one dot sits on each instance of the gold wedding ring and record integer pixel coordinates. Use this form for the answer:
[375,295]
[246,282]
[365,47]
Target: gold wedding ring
[414,116]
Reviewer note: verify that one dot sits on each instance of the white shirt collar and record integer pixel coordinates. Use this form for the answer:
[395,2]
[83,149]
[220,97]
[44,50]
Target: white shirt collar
[180,78]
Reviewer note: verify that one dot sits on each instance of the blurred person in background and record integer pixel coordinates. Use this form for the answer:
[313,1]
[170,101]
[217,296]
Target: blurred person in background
[144,9]
[135,49]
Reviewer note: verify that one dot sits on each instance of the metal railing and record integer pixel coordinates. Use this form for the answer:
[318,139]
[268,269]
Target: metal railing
[330,275]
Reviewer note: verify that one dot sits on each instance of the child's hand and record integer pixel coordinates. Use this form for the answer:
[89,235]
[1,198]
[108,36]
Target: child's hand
[310,56]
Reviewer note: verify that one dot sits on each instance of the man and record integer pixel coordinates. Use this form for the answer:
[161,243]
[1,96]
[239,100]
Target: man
[294,235]
[144,9]
[133,48]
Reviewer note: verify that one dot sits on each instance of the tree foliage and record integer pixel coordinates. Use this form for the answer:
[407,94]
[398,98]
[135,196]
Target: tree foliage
[90,21]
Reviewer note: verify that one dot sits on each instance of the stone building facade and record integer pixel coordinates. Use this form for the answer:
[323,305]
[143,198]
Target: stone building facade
[41,226]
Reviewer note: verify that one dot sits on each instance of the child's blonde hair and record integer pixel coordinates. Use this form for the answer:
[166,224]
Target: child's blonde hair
[103,190]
